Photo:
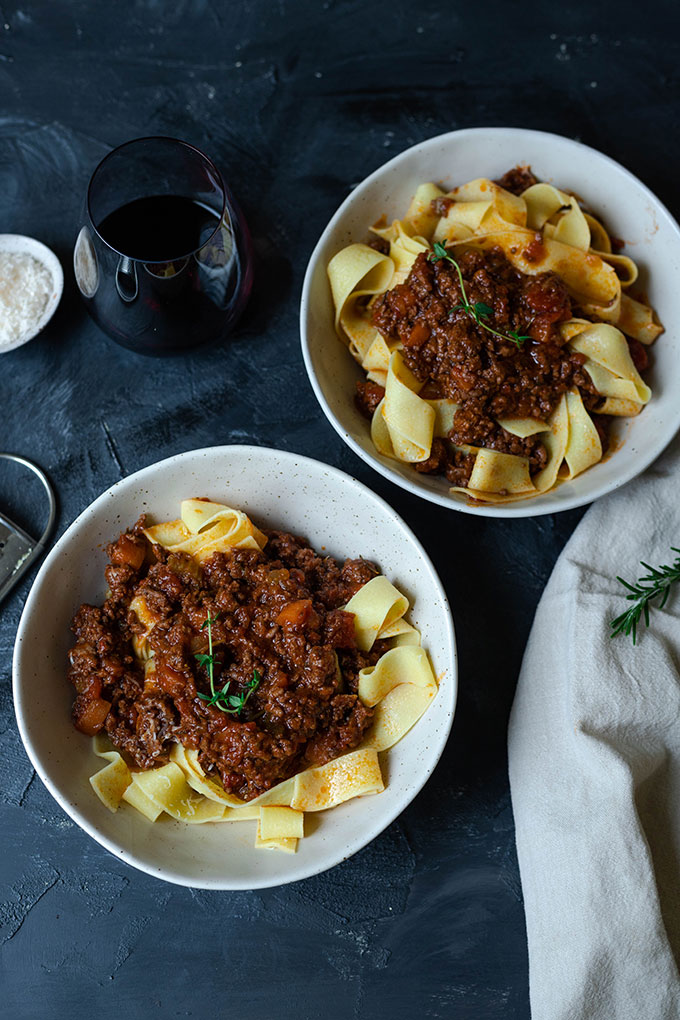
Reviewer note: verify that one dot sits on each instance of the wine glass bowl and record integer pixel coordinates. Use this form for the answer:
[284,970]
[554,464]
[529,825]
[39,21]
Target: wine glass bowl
[163,258]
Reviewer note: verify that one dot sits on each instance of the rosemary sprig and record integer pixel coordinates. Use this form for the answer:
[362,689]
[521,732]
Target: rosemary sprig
[655,585]
[479,311]
[222,699]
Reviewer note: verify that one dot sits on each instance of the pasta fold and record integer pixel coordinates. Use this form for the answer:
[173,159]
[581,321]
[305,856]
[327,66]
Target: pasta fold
[408,664]
[111,782]
[409,419]
[205,528]
[356,774]
[609,363]
[396,714]
[500,472]
[376,607]
[420,219]
[355,273]
[584,446]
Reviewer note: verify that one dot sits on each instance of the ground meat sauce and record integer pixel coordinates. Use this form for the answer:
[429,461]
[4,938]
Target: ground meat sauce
[517,180]
[278,613]
[489,377]
[368,396]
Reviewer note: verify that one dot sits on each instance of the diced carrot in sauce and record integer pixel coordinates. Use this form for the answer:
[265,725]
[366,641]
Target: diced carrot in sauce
[418,335]
[295,614]
[93,716]
[128,551]
[169,680]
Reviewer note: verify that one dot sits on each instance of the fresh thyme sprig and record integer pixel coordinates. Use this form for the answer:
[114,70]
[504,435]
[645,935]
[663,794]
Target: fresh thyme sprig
[479,311]
[655,585]
[222,699]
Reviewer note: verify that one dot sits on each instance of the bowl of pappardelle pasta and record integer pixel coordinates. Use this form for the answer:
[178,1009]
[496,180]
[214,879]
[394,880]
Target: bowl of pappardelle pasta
[235,668]
[489,321]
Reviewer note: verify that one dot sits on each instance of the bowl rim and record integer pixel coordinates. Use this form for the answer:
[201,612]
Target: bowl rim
[523,508]
[351,845]
[14,244]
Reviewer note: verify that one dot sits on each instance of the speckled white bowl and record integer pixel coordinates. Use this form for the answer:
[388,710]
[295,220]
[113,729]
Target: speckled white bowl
[339,516]
[631,212]
[18,244]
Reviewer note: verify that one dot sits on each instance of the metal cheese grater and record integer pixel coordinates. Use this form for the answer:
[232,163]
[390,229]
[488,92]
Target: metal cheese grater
[18,551]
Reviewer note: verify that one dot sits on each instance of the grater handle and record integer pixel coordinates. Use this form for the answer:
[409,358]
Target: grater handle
[19,550]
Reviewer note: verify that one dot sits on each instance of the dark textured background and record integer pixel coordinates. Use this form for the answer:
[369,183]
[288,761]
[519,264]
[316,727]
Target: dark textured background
[297,101]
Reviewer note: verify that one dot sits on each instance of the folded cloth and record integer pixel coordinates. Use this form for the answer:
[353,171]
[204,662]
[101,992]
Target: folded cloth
[594,759]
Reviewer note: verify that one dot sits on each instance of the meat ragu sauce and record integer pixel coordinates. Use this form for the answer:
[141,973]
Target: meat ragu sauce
[489,377]
[277,612]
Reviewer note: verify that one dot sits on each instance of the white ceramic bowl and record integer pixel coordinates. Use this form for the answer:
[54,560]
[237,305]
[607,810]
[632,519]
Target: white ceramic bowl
[630,211]
[18,244]
[337,514]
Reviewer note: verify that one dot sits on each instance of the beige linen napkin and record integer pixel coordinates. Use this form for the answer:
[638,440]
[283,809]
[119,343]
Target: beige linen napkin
[594,758]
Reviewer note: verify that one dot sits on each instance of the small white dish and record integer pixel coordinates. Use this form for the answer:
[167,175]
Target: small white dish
[630,211]
[18,244]
[337,515]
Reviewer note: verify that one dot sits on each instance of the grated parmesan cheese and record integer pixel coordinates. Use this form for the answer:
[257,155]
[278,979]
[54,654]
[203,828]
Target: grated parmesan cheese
[25,288]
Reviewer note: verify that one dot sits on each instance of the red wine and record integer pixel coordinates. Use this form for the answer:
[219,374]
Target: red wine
[172,274]
[160,228]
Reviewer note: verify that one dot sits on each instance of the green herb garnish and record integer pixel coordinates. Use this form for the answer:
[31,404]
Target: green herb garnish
[655,585]
[479,311]
[222,699]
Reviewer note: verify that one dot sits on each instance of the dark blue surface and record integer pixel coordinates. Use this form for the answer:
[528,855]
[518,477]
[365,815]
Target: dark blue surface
[297,102]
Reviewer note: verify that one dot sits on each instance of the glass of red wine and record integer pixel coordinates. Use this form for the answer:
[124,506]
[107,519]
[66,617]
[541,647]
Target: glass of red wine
[163,259]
